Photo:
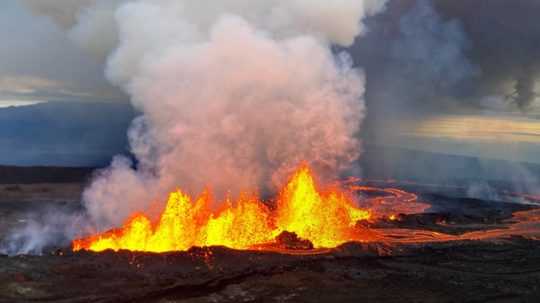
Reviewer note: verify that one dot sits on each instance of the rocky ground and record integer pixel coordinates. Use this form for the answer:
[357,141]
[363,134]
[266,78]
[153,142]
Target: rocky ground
[469,271]
[503,270]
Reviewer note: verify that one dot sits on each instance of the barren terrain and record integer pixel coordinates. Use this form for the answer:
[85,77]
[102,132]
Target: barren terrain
[500,270]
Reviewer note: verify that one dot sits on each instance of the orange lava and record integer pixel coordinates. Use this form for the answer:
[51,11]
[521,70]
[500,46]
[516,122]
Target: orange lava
[325,216]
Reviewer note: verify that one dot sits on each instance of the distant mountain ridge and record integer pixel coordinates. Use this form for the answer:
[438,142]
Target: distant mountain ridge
[380,163]
[82,134]
[30,175]
[64,133]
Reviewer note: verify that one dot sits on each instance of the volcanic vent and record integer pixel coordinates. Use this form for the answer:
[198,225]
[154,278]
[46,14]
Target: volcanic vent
[326,217]
[232,96]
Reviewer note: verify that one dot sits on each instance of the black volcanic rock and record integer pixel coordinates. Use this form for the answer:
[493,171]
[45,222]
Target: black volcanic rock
[462,271]
[30,175]
[290,240]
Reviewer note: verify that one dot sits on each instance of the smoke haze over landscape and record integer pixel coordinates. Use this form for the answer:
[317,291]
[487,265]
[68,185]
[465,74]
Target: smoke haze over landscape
[260,86]
[233,95]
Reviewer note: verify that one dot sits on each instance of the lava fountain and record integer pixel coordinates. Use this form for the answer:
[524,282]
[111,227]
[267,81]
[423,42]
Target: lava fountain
[325,216]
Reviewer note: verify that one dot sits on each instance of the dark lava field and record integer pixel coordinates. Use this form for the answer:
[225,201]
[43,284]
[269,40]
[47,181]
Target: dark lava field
[504,269]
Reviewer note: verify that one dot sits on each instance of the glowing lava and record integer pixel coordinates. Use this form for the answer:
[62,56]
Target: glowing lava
[327,217]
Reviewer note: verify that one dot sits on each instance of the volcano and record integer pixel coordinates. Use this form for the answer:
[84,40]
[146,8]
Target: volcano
[306,212]
[325,217]
[393,241]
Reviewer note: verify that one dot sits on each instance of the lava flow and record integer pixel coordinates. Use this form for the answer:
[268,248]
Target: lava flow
[325,216]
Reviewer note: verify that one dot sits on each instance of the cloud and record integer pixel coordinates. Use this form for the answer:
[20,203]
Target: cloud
[449,56]
[40,61]
[505,45]
[233,94]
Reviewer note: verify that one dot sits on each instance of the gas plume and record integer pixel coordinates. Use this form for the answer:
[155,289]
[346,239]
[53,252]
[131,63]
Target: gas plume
[233,94]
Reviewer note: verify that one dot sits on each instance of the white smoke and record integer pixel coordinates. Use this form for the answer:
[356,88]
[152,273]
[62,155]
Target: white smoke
[234,93]
[44,229]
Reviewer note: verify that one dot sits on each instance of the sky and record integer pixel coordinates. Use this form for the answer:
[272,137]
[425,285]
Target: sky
[38,62]
[457,77]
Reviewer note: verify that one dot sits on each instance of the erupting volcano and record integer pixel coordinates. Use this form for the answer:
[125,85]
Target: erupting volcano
[325,216]
[191,151]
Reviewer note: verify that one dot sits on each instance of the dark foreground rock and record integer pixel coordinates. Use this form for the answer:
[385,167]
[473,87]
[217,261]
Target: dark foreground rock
[505,270]
[470,271]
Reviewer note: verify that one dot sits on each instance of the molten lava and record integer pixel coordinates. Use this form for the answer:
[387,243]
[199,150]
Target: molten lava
[326,217]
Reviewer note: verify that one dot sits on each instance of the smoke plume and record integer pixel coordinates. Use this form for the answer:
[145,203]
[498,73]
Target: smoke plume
[506,46]
[416,61]
[425,59]
[481,55]
[233,94]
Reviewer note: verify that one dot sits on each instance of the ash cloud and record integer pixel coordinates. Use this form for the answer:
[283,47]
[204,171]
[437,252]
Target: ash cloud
[506,46]
[445,56]
[417,62]
[429,58]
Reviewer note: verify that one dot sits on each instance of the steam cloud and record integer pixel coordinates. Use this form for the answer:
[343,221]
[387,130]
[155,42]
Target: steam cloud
[234,94]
